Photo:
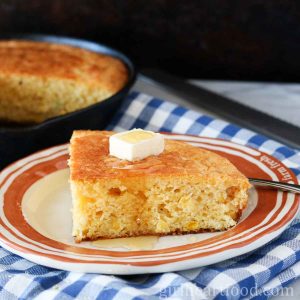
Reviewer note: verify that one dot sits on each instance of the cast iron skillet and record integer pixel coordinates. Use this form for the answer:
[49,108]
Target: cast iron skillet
[19,141]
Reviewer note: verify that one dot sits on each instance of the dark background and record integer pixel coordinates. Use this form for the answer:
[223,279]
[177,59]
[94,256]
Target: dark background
[249,40]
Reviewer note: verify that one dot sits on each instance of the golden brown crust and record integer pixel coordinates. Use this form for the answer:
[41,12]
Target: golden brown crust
[177,232]
[90,160]
[45,60]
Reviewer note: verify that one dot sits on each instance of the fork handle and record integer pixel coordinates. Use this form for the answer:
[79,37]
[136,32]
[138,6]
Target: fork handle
[294,188]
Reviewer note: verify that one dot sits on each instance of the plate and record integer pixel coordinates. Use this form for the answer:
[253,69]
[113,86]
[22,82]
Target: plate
[35,217]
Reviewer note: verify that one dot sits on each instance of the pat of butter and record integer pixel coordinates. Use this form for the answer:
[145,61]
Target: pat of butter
[136,144]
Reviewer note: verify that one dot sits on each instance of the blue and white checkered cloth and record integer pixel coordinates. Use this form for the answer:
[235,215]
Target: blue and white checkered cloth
[265,272]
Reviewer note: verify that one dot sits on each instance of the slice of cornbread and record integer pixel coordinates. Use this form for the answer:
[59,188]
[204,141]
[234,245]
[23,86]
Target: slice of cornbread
[43,80]
[185,189]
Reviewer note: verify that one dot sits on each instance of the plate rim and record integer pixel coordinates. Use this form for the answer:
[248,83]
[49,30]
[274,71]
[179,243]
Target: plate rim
[29,254]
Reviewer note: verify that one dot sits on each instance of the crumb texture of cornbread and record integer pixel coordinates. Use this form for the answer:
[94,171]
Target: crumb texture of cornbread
[185,189]
[43,80]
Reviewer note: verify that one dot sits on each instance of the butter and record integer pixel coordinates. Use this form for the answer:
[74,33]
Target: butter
[136,136]
[136,144]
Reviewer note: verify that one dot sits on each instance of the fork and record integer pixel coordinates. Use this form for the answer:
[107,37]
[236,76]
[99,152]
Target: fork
[289,187]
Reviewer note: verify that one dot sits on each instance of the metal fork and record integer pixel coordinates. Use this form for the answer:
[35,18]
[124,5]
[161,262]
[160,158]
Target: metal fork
[294,188]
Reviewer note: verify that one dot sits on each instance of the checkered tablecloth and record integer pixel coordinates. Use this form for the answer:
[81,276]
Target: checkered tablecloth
[265,272]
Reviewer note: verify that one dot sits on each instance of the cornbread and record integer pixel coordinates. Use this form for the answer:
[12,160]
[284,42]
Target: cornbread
[43,80]
[184,189]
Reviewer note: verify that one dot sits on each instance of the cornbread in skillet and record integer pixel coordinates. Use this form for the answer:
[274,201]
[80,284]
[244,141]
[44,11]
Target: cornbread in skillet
[184,189]
[42,80]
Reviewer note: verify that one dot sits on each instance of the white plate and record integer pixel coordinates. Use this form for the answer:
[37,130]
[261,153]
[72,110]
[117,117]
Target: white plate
[35,217]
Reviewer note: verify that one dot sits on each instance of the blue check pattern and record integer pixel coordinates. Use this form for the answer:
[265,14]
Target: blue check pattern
[261,274]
